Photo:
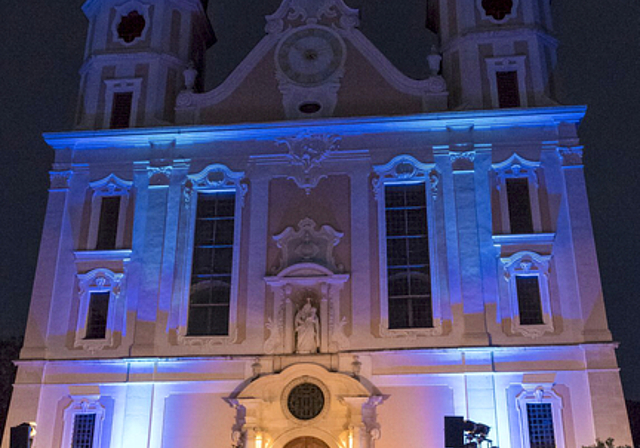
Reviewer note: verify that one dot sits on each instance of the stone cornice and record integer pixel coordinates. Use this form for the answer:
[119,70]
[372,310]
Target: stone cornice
[432,122]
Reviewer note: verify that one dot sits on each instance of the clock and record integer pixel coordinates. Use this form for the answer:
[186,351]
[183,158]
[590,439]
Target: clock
[310,56]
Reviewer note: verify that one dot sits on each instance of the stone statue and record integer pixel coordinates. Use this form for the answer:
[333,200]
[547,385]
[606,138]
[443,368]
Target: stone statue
[307,329]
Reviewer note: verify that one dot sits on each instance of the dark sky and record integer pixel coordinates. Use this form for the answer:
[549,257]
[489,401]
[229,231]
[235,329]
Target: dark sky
[41,50]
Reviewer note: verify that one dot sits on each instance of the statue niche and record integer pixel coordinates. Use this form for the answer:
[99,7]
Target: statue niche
[306,288]
[307,329]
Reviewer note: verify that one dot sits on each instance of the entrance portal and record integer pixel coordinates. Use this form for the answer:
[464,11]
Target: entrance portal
[306,442]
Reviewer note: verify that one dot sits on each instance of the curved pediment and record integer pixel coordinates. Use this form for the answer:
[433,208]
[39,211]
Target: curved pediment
[313,63]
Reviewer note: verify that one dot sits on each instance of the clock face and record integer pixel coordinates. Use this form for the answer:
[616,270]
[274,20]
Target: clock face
[310,56]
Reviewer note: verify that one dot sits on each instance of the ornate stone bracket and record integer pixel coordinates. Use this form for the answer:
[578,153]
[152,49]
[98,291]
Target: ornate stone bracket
[306,153]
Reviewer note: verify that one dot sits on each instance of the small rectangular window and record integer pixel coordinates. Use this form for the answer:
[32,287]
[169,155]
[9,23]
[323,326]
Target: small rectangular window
[210,298]
[97,315]
[121,110]
[529,303]
[519,201]
[408,272]
[108,224]
[508,90]
[540,421]
[83,428]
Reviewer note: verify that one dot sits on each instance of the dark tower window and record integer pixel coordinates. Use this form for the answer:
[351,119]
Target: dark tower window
[212,265]
[121,110]
[131,26]
[498,9]
[529,304]
[508,91]
[408,275]
[108,225]
[520,218]
[97,316]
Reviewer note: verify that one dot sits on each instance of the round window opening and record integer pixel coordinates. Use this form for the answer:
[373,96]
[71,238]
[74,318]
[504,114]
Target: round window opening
[131,26]
[305,401]
[310,108]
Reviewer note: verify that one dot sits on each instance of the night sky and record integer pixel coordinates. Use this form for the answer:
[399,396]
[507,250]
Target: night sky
[41,50]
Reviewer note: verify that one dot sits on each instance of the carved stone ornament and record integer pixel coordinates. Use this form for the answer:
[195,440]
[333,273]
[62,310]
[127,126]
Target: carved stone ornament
[111,185]
[405,168]
[515,167]
[571,156]
[216,177]
[308,245]
[306,153]
[159,175]
[462,160]
[334,12]
[60,180]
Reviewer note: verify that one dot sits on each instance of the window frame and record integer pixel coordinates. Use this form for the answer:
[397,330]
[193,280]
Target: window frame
[507,64]
[96,281]
[124,10]
[83,405]
[536,393]
[122,85]
[405,169]
[110,186]
[528,264]
[214,178]
[516,167]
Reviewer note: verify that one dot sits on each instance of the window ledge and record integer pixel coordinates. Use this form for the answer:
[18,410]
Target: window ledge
[525,238]
[104,255]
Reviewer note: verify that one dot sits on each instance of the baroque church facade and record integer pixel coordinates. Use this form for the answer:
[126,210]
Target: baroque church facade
[320,252]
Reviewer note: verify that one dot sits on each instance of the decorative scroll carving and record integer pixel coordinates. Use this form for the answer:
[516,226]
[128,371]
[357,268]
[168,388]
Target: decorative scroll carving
[159,175]
[111,185]
[516,166]
[308,245]
[216,177]
[312,11]
[462,161]
[404,168]
[571,156]
[306,152]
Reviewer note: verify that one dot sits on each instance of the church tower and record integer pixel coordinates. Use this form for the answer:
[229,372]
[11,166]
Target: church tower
[497,53]
[135,55]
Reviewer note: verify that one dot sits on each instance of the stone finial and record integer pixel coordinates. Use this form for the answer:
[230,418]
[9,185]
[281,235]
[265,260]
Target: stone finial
[434,59]
[190,74]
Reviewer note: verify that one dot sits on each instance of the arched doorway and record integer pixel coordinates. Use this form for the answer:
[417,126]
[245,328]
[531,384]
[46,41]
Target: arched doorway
[306,442]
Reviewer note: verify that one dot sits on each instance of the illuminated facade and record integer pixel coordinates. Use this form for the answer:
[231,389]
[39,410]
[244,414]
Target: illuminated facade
[320,252]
